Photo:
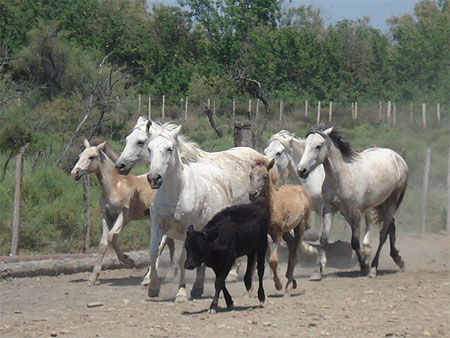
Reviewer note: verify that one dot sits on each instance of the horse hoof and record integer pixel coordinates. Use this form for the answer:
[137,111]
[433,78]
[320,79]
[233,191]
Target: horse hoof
[294,284]
[400,263]
[145,282]
[91,283]
[212,311]
[278,286]
[373,273]
[316,276]
[153,292]
[181,299]
[196,293]
[230,307]
[365,270]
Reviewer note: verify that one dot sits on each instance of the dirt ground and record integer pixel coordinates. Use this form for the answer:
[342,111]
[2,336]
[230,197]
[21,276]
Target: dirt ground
[413,303]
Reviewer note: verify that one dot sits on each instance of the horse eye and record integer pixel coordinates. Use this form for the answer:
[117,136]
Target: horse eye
[140,143]
[170,149]
[278,154]
[318,147]
[91,157]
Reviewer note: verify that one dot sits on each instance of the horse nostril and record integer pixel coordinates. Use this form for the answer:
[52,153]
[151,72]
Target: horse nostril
[149,179]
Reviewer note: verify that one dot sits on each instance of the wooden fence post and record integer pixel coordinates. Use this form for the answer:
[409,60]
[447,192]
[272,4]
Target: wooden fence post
[425,189]
[234,110]
[306,109]
[163,113]
[17,201]
[424,115]
[186,108]
[438,111]
[318,112]
[353,110]
[149,107]
[139,104]
[250,107]
[389,113]
[380,116]
[448,187]
[356,110]
[87,213]
[257,108]
[394,114]
[411,113]
[281,110]
[330,112]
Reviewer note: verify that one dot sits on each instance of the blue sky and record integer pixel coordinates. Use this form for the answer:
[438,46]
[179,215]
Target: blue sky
[335,10]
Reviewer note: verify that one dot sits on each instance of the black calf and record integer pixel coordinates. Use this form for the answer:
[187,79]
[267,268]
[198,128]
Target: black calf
[235,231]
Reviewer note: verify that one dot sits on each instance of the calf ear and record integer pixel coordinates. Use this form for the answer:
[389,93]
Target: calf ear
[211,235]
[190,229]
[271,163]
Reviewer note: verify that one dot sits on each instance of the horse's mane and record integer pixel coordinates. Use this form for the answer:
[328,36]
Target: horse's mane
[107,149]
[348,152]
[283,137]
[189,150]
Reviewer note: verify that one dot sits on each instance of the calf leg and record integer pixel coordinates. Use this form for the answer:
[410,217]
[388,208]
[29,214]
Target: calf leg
[273,260]
[249,273]
[197,288]
[228,298]
[219,285]
[261,264]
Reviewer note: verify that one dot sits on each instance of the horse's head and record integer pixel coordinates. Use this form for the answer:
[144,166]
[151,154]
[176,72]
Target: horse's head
[163,153]
[89,160]
[316,147]
[260,177]
[135,150]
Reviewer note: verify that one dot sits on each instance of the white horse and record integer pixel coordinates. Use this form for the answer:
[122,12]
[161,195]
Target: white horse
[354,182]
[190,193]
[287,150]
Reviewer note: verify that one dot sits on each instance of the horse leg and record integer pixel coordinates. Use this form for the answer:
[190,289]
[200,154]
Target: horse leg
[367,248]
[356,243]
[156,236]
[327,217]
[181,295]
[273,260]
[383,235]
[249,274]
[197,288]
[117,228]
[261,265]
[394,251]
[101,254]
[292,243]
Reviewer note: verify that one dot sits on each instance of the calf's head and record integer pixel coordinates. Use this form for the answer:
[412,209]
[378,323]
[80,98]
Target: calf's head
[195,246]
[259,178]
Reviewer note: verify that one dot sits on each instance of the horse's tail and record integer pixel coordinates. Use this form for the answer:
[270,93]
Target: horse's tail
[402,194]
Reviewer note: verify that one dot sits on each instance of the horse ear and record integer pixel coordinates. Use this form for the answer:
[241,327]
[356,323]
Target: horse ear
[328,131]
[86,143]
[176,130]
[271,163]
[101,146]
[148,126]
[190,229]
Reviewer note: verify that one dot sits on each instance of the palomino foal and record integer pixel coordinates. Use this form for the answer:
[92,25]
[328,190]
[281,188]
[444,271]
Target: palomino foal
[124,198]
[289,208]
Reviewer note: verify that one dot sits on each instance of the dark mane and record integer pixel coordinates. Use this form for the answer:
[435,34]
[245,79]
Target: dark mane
[107,149]
[348,152]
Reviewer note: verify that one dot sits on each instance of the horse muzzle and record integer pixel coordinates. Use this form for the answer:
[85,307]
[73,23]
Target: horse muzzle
[76,174]
[302,173]
[122,168]
[155,181]
[253,195]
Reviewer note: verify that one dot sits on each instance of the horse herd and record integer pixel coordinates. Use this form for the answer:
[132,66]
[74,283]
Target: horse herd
[203,198]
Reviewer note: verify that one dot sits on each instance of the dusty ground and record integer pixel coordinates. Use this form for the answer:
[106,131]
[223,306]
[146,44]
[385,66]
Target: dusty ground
[413,303]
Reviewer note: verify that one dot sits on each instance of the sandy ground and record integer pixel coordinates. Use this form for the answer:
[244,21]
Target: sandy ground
[413,303]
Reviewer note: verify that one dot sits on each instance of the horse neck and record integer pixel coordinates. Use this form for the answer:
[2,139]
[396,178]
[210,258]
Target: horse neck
[296,154]
[106,174]
[335,167]
[269,192]
[175,177]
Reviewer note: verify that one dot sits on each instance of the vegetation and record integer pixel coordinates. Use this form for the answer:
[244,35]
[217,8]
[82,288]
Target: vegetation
[72,69]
